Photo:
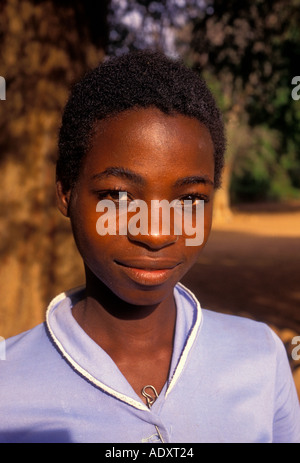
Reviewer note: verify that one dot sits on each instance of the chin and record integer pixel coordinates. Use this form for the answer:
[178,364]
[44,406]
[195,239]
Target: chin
[146,296]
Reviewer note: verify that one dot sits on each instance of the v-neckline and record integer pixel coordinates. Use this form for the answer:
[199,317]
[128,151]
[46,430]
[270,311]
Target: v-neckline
[91,361]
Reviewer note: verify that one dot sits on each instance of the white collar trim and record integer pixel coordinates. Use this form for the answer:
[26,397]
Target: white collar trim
[104,387]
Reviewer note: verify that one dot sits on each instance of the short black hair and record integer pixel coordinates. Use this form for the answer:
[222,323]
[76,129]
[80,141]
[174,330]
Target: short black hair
[142,79]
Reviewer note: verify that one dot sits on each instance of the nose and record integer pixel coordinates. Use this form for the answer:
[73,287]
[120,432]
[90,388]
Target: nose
[153,241]
[152,232]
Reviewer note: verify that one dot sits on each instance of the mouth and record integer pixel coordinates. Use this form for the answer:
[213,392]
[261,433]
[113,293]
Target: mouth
[149,272]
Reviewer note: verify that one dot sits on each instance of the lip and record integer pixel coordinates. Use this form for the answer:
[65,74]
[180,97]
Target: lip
[149,272]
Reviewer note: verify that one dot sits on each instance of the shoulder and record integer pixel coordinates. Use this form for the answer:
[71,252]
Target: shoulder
[27,344]
[227,334]
[248,359]
[37,343]
[26,356]
[234,329]
[243,343]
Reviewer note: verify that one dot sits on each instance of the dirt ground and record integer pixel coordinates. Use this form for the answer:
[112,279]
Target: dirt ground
[253,261]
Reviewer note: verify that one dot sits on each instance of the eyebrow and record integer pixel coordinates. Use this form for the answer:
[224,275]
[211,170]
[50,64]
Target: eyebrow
[128,174]
[194,180]
[121,172]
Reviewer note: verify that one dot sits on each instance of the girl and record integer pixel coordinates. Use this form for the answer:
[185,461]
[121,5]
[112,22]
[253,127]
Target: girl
[131,356]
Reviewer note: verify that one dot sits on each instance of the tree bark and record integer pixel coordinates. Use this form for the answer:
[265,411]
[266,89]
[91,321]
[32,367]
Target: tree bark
[40,59]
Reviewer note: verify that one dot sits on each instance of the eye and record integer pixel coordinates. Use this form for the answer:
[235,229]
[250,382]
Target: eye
[193,199]
[118,196]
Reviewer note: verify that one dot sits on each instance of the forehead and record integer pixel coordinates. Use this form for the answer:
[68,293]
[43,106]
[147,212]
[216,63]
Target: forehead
[151,143]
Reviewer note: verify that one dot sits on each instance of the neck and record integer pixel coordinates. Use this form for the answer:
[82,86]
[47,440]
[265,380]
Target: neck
[118,325]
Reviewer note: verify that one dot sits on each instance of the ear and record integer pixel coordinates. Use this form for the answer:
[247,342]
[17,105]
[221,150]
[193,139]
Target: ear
[63,199]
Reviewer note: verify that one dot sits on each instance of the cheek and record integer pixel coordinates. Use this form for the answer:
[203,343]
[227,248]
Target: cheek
[199,226]
[96,251]
[208,214]
[83,219]
[192,252]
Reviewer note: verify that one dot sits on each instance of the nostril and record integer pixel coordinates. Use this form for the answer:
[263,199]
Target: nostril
[154,241]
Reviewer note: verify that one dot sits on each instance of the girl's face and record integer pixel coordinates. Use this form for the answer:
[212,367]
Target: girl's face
[149,155]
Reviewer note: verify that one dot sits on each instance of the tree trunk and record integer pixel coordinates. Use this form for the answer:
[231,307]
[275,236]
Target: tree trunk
[222,210]
[40,59]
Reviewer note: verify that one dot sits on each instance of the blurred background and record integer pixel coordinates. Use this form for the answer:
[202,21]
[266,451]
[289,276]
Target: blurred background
[248,52]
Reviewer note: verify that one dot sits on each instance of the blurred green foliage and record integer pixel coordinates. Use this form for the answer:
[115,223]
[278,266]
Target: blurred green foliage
[260,172]
[249,52]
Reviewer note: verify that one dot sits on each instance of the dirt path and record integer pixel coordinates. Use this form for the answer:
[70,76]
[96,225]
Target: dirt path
[253,262]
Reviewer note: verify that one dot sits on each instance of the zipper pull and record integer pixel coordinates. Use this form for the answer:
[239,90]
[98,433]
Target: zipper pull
[150,401]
